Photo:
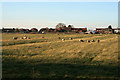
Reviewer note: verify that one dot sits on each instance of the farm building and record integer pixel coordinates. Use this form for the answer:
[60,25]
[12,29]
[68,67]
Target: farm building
[22,30]
[108,30]
[15,30]
[8,30]
[34,30]
[117,30]
[43,30]
[51,30]
[63,29]
[79,30]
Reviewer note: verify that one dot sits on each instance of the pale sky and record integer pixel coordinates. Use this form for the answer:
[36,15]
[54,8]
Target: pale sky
[48,14]
[59,0]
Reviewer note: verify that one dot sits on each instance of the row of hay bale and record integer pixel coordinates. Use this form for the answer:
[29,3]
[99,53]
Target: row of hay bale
[89,40]
[81,40]
[64,39]
[24,37]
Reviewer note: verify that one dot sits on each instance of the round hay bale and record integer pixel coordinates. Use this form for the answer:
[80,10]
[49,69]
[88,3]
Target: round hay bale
[93,40]
[88,41]
[15,37]
[98,40]
[81,40]
[21,37]
[28,37]
[24,37]
[71,38]
[63,39]
[58,37]
[42,37]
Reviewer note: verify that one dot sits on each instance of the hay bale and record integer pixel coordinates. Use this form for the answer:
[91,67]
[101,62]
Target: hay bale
[71,38]
[88,41]
[28,37]
[81,40]
[21,37]
[42,37]
[58,37]
[24,37]
[15,37]
[93,40]
[63,39]
[98,40]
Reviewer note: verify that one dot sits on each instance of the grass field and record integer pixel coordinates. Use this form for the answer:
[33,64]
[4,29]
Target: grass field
[50,57]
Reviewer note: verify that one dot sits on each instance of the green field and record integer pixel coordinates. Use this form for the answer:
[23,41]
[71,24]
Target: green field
[50,57]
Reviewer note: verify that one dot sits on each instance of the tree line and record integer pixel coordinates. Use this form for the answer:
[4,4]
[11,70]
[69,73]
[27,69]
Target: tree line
[60,27]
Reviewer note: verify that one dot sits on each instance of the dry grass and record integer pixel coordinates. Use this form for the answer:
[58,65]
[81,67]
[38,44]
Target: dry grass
[51,57]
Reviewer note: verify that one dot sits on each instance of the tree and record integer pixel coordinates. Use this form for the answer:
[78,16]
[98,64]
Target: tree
[22,30]
[16,30]
[47,29]
[109,27]
[70,26]
[60,25]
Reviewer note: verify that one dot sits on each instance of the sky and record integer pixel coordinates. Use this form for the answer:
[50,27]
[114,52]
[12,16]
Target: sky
[59,0]
[49,14]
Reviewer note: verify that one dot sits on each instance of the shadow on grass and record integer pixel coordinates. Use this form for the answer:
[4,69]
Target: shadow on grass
[52,70]
[9,43]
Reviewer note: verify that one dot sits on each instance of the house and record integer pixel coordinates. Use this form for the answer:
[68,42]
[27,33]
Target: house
[117,30]
[43,30]
[108,30]
[22,30]
[79,30]
[27,30]
[100,30]
[70,29]
[34,30]
[8,30]
[51,30]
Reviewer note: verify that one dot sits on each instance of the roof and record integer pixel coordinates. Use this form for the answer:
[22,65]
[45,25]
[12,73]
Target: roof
[107,28]
[8,28]
[116,29]
[100,28]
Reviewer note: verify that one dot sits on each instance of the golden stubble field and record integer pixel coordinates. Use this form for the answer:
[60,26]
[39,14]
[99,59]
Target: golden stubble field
[50,57]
